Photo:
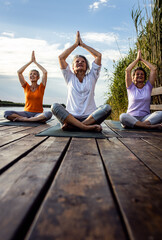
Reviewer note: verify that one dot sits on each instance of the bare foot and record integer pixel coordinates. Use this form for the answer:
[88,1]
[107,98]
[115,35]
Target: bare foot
[21,119]
[94,128]
[156,126]
[67,127]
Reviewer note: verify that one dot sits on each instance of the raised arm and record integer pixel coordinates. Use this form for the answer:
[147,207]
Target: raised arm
[128,76]
[153,71]
[44,71]
[67,52]
[97,55]
[20,73]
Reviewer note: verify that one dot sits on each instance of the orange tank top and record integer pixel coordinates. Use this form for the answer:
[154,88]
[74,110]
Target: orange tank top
[34,100]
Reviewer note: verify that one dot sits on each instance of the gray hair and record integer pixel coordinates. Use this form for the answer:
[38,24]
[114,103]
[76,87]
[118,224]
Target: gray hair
[87,63]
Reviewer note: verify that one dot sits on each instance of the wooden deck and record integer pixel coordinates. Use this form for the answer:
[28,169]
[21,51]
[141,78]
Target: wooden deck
[80,188]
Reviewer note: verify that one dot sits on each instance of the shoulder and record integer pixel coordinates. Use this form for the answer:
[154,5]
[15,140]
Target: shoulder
[26,85]
[96,66]
[95,70]
[131,86]
[41,86]
[149,84]
[67,73]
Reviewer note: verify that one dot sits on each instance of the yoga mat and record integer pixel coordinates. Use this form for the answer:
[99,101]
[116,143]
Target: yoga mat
[116,125]
[56,131]
[25,124]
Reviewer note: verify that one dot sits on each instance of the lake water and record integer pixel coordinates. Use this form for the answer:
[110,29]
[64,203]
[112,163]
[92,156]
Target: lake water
[2,109]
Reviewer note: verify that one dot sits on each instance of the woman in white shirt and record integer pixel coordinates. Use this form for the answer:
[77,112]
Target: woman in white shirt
[81,111]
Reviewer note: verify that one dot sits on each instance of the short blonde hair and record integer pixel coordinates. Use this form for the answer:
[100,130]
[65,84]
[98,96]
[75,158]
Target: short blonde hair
[34,70]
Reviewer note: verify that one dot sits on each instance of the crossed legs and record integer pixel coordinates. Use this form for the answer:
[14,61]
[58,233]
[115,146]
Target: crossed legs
[27,116]
[91,123]
[151,121]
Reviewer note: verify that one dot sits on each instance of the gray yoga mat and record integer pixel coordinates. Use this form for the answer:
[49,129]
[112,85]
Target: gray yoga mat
[56,131]
[116,125]
[25,124]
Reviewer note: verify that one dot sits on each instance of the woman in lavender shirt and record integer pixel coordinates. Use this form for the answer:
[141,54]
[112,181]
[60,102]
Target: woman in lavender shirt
[139,97]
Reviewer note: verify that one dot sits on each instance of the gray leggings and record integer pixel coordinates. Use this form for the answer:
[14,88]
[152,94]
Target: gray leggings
[129,121]
[100,114]
[47,114]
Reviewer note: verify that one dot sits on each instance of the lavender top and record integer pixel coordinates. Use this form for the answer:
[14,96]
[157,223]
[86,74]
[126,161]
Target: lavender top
[139,99]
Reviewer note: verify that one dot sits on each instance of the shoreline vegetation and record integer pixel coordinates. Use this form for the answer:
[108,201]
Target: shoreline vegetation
[13,104]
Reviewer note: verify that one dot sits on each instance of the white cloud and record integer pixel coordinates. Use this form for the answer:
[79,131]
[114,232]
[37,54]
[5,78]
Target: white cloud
[106,38]
[110,54]
[15,52]
[8,34]
[96,4]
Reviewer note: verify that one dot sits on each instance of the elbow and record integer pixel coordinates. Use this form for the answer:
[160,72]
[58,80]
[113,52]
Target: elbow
[155,68]
[18,72]
[60,57]
[100,55]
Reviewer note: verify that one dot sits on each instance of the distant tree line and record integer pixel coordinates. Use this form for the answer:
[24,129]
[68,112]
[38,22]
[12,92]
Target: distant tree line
[13,104]
[149,40]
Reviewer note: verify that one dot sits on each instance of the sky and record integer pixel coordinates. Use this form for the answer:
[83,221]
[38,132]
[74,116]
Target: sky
[49,27]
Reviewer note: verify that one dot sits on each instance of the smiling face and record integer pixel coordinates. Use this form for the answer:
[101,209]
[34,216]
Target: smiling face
[79,64]
[34,75]
[139,78]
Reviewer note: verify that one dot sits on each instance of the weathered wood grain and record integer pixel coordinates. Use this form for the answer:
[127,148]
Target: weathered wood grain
[6,139]
[14,151]
[137,189]
[11,131]
[25,184]
[79,204]
[147,153]
[154,141]
[108,132]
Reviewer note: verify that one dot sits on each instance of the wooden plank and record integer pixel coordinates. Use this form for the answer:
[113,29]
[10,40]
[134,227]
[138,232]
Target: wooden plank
[148,154]
[156,107]
[6,139]
[107,131]
[9,131]
[11,153]
[2,128]
[79,204]
[156,142]
[156,91]
[25,184]
[137,189]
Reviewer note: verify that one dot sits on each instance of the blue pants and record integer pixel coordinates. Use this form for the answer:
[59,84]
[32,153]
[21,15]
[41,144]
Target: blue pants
[100,114]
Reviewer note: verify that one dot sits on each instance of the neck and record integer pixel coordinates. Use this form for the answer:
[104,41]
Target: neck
[34,84]
[80,75]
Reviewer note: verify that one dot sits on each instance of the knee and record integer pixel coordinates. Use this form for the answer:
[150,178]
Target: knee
[48,115]
[55,107]
[7,114]
[123,117]
[107,109]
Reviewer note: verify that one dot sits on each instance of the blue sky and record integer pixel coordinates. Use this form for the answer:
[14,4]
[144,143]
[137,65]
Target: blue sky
[49,27]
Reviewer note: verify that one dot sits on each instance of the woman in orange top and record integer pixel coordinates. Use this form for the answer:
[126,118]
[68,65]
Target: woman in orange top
[33,110]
